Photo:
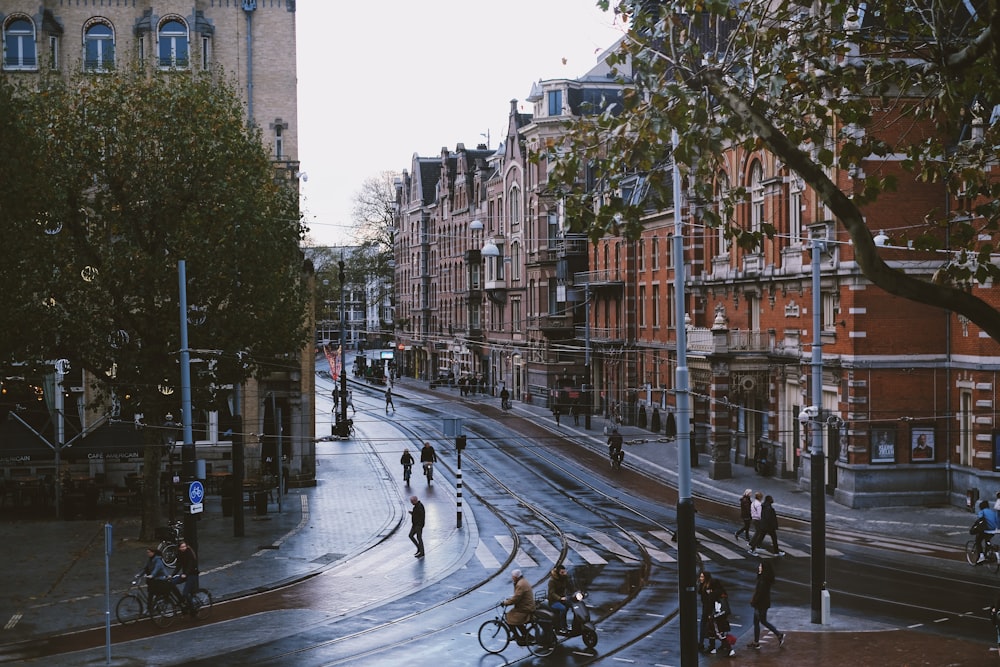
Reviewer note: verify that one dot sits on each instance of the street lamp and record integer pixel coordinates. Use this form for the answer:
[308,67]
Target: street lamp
[819,597]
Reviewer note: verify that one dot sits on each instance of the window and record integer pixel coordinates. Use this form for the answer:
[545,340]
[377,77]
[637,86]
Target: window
[206,45]
[514,200]
[642,306]
[555,102]
[98,47]
[831,308]
[965,433]
[795,212]
[173,44]
[756,197]
[515,261]
[279,141]
[53,52]
[553,229]
[553,296]
[19,51]
[655,258]
[641,259]
[656,305]
[721,192]
[515,315]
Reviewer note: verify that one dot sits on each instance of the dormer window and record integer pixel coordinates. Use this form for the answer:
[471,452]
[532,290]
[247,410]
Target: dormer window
[555,102]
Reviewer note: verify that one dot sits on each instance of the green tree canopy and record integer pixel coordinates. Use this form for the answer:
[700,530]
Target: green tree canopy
[128,173]
[825,86]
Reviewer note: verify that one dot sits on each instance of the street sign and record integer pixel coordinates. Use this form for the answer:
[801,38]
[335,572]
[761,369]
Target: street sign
[197,508]
[196,492]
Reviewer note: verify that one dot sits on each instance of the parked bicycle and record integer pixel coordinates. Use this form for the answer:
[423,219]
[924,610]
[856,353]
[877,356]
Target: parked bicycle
[170,536]
[166,606]
[495,635]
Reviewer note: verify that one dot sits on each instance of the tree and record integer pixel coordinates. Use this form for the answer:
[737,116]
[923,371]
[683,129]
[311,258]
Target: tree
[829,87]
[373,265]
[136,172]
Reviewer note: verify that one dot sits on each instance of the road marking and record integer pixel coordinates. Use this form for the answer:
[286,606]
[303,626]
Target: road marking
[612,546]
[651,549]
[546,548]
[13,621]
[486,558]
[521,557]
[588,554]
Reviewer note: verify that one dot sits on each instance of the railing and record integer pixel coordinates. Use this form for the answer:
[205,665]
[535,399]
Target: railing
[599,276]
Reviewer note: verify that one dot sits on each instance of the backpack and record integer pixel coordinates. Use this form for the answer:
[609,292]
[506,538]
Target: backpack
[978,526]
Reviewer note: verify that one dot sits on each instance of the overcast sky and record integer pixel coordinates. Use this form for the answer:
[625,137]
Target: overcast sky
[381,81]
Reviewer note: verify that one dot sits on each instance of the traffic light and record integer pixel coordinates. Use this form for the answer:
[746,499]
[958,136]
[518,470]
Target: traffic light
[460,442]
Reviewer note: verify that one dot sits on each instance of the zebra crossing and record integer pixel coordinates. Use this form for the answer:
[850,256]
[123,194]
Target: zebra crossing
[600,548]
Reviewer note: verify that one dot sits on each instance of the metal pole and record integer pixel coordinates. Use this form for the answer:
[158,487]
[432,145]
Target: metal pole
[108,544]
[187,446]
[460,442]
[344,430]
[817,469]
[686,545]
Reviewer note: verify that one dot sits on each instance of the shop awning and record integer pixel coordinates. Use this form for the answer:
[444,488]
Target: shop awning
[110,440]
[20,446]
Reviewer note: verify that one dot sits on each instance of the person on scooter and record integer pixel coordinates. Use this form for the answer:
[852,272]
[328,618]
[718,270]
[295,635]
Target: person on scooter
[560,589]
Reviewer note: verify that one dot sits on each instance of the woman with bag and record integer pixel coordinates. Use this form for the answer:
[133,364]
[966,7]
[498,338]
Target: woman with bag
[761,602]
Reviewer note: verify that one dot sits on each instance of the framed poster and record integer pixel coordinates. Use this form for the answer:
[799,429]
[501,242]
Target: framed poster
[922,445]
[883,445]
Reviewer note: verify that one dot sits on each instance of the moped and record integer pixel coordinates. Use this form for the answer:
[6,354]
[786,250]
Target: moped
[577,625]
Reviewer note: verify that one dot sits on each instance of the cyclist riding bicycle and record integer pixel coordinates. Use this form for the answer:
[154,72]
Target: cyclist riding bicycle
[428,456]
[523,602]
[156,574]
[615,447]
[983,536]
[406,460]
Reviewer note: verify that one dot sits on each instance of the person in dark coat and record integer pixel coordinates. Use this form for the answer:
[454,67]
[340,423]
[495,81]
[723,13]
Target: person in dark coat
[187,571]
[746,500]
[523,603]
[761,602]
[708,593]
[768,526]
[417,517]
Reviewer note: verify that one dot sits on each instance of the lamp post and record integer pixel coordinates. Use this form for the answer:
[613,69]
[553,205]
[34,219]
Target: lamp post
[343,430]
[813,414]
[686,546]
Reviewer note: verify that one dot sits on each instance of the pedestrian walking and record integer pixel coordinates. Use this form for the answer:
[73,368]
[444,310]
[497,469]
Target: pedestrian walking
[350,402]
[556,413]
[768,527]
[575,410]
[706,591]
[761,602]
[755,507]
[388,400]
[417,518]
[746,501]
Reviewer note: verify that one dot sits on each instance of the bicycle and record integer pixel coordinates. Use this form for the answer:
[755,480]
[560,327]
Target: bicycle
[429,471]
[495,635]
[990,551]
[135,605]
[169,605]
[170,536]
[407,469]
[616,456]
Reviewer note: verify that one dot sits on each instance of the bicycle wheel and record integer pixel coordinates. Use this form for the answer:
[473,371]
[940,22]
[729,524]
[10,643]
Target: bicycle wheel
[129,609]
[169,555]
[201,604]
[494,636]
[971,553]
[538,642]
[164,612]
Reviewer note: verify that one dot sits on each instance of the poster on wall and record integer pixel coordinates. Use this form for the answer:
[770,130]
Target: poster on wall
[922,445]
[996,450]
[883,445]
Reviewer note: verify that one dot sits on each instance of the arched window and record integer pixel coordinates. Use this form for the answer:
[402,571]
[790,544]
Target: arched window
[19,49]
[756,196]
[172,44]
[514,201]
[98,46]
[721,192]
[515,261]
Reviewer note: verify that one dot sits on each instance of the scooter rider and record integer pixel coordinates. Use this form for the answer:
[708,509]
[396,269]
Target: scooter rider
[560,588]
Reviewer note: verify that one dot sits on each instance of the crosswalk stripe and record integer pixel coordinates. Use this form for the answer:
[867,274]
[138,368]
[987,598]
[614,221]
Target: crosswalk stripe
[612,546]
[546,548]
[653,551]
[589,555]
[521,557]
[486,558]
[722,549]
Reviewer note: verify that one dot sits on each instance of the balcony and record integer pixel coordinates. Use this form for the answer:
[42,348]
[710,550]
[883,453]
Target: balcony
[553,326]
[730,341]
[612,278]
[613,335]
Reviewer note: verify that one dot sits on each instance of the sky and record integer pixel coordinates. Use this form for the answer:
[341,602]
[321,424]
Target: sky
[375,87]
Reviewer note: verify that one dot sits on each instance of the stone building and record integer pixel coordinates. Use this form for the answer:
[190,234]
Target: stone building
[250,43]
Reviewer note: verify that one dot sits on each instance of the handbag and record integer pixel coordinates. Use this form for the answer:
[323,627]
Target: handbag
[978,526]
